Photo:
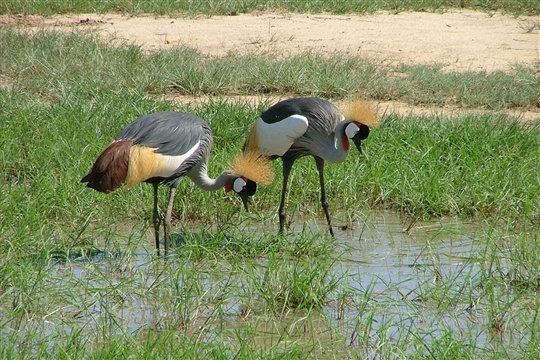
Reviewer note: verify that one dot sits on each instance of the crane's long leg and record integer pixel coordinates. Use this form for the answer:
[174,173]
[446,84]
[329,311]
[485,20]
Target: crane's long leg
[157,219]
[287,166]
[168,217]
[324,201]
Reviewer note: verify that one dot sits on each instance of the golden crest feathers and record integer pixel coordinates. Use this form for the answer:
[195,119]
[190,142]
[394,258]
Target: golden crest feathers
[362,111]
[254,166]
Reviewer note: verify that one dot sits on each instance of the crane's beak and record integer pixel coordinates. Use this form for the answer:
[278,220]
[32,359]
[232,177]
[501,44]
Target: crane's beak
[245,198]
[362,134]
[356,140]
[248,190]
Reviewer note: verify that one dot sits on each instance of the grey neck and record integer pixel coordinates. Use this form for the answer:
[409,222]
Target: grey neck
[199,175]
[333,151]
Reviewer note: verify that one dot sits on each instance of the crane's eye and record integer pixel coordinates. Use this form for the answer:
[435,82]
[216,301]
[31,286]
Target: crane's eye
[239,184]
[351,130]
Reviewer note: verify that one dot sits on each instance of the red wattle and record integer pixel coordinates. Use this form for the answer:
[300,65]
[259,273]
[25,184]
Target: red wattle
[345,142]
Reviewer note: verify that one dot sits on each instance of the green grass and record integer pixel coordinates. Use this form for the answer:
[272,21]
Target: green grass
[75,277]
[233,7]
[474,166]
[54,67]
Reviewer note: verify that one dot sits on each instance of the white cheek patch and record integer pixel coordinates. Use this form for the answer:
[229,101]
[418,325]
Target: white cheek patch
[351,130]
[239,184]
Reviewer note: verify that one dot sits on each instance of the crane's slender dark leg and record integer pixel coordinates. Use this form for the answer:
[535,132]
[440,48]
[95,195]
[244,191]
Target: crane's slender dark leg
[324,201]
[157,219]
[287,166]
[168,217]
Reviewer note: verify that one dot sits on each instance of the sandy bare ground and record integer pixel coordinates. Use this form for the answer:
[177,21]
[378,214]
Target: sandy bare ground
[458,40]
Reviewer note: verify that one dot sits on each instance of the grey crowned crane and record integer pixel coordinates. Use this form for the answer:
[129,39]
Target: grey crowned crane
[164,148]
[298,127]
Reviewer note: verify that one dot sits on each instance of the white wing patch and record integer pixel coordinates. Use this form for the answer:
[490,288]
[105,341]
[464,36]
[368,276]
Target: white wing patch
[168,164]
[277,138]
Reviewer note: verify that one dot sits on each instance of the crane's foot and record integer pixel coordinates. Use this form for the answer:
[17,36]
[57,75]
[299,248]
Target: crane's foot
[331,231]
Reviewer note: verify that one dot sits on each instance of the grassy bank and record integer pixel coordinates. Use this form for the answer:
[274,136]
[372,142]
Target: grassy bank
[53,65]
[475,166]
[75,280]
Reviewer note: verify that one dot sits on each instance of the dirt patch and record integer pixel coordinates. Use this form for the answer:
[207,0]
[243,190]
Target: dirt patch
[458,40]
[384,108]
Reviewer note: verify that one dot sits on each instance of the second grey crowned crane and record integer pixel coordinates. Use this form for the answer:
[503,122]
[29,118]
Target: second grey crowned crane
[164,148]
[297,127]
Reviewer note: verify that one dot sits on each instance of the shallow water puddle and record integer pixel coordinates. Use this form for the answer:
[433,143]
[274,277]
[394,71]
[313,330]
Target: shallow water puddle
[382,249]
[410,280]
[389,284]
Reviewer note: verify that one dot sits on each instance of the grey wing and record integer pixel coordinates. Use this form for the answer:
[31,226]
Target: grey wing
[170,133]
[321,113]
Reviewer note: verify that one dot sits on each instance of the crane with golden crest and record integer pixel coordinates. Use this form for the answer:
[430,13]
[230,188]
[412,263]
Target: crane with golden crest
[164,148]
[298,127]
